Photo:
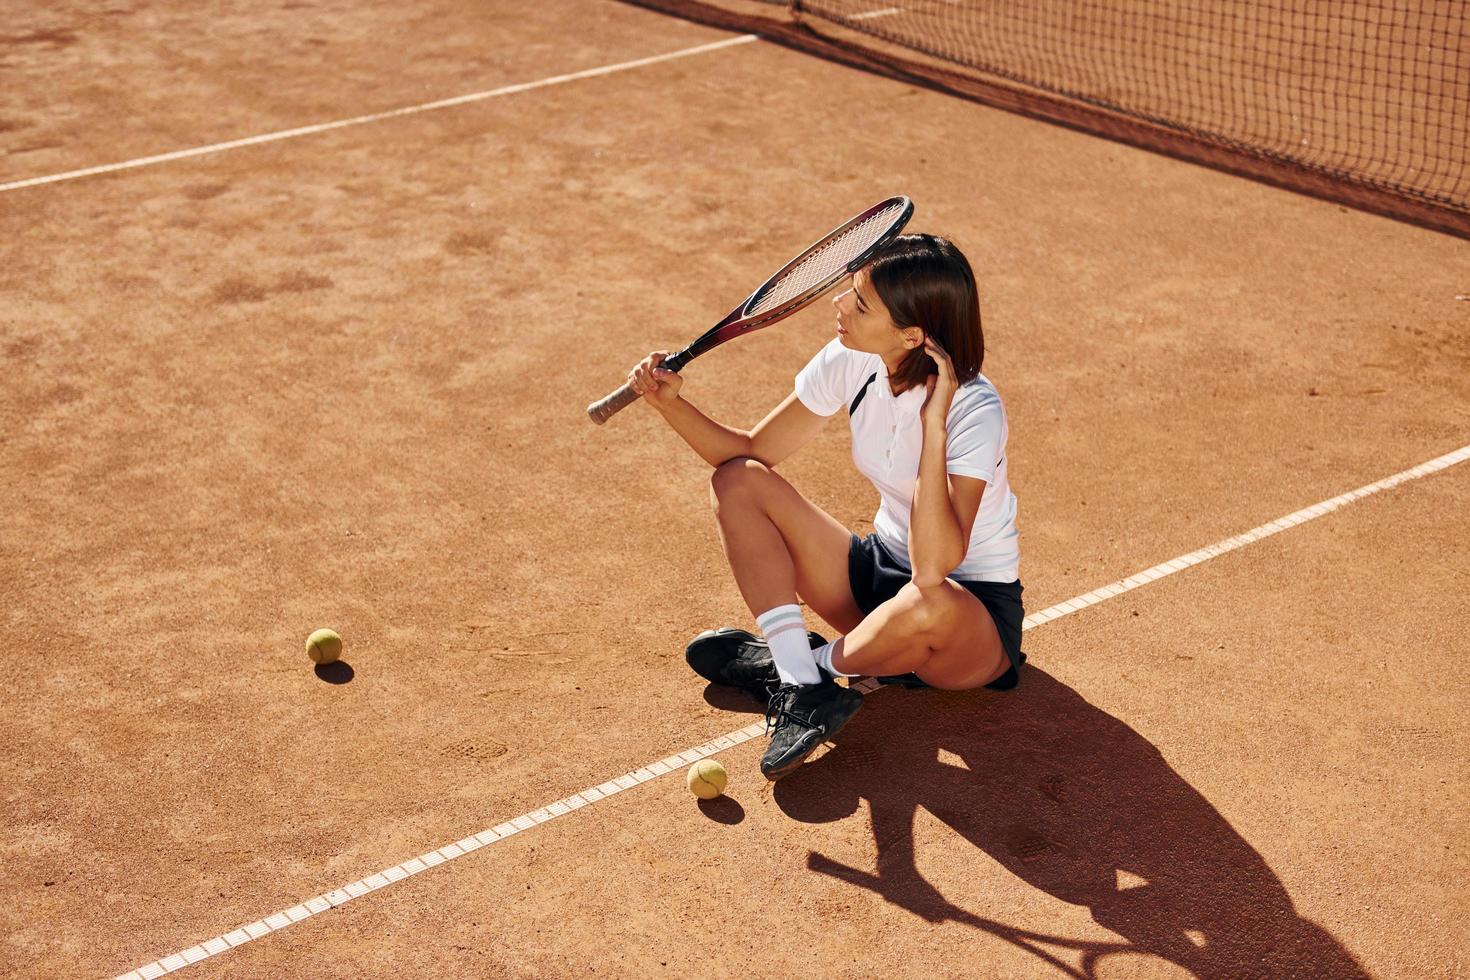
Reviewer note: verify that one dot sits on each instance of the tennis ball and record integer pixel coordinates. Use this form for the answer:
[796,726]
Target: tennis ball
[707,779]
[324,646]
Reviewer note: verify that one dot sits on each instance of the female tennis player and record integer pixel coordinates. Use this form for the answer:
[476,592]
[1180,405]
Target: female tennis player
[932,597]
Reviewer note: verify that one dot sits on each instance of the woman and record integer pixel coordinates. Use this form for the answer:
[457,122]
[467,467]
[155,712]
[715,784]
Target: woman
[933,593]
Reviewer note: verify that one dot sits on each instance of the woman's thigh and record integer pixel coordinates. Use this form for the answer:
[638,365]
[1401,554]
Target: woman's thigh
[817,541]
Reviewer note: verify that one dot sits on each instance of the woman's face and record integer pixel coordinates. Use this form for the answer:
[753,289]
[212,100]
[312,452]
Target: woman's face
[864,324]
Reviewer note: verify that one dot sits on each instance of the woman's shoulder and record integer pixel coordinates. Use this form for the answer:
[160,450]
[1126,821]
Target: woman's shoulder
[976,401]
[832,376]
[976,392]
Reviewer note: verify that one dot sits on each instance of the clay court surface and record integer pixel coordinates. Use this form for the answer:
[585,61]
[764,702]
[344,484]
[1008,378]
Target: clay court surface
[340,380]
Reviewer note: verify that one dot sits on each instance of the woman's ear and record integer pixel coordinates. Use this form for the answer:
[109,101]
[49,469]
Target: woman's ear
[913,337]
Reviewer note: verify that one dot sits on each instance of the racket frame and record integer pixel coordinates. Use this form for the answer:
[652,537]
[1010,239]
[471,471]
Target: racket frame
[736,323]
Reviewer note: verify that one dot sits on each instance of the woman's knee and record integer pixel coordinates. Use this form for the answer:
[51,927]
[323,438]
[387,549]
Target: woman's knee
[929,613]
[736,477]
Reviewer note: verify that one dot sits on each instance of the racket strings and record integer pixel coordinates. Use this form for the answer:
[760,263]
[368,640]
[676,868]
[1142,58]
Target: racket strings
[827,261]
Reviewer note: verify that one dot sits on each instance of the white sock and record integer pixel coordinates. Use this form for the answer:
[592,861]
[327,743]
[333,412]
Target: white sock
[824,660]
[785,633]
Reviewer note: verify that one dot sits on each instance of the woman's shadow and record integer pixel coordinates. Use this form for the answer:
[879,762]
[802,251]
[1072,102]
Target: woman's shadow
[1075,803]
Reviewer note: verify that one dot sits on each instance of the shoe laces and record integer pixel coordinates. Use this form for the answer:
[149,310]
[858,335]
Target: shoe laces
[779,708]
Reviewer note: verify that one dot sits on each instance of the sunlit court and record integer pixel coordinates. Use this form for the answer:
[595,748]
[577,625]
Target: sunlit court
[375,606]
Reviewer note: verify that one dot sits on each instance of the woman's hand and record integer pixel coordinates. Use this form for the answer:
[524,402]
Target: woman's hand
[658,385]
[940,387]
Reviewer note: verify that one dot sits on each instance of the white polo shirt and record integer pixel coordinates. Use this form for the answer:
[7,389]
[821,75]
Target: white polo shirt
[887,437]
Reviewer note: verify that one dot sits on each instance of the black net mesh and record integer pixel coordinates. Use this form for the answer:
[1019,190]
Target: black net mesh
[1364,102]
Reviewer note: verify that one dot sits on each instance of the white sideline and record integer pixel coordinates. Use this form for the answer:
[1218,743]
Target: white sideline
[1241,540]
[643,774]
[376,116]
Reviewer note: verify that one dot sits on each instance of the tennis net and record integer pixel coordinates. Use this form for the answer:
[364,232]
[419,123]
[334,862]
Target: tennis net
[1365,103]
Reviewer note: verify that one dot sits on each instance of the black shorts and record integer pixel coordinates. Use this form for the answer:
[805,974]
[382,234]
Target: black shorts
[876,576]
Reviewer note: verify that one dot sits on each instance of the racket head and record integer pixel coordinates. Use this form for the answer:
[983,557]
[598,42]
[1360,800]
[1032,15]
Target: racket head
[839,253]
[823,264]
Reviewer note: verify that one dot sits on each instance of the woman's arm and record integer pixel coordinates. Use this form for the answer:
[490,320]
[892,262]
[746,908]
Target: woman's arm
[937,540]
[715,442]
[944,508]
[786,429]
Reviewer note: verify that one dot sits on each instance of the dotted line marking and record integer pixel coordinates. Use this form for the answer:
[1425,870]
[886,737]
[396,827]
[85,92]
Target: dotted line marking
[434,858]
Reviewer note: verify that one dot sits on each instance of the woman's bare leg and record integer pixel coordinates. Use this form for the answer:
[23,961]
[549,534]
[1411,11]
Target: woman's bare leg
[944,634]
[780,546]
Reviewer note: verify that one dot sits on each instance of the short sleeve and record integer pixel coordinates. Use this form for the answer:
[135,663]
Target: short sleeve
[976,436]
[832,378]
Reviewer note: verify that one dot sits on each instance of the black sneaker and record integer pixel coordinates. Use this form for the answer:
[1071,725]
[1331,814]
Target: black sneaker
[738,658]
[804,716]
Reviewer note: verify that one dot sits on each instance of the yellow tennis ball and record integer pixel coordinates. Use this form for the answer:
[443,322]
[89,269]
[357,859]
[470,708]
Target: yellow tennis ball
[707,779]
[324,646]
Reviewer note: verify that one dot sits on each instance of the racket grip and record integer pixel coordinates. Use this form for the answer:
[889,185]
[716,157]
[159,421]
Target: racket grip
[601,411]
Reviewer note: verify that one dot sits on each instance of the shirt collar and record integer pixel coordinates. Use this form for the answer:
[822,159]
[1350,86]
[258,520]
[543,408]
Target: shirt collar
[905,405]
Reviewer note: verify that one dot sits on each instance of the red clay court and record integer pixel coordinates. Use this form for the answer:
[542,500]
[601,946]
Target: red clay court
[301,310]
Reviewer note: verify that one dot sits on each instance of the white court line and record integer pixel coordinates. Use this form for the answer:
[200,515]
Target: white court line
[377,116]
[1240,540]
[674,763]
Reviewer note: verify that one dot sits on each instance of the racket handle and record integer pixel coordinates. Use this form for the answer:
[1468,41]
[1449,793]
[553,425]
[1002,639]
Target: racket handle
[601,411]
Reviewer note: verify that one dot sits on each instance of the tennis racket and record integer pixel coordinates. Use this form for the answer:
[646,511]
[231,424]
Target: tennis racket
[840,253]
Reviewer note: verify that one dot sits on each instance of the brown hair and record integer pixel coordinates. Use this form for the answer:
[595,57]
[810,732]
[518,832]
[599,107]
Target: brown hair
[926,282]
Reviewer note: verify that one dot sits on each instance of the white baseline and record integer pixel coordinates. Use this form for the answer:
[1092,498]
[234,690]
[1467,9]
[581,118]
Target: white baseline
[673,763]
[286,134]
